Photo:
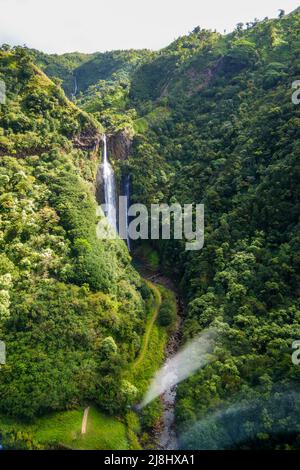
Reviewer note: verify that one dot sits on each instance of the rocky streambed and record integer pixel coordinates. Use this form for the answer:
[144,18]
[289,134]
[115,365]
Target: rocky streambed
[166,435]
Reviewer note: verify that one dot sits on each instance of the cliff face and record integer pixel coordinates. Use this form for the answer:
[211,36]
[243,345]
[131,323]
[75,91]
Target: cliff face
[88,140]
[119,145]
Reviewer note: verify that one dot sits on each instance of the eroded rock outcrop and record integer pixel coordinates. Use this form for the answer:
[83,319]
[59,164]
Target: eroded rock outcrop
[119,145]
[88,140]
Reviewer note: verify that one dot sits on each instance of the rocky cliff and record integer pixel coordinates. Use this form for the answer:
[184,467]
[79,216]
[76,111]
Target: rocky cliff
[119,145]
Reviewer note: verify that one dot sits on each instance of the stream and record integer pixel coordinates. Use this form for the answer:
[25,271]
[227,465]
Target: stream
[165,433]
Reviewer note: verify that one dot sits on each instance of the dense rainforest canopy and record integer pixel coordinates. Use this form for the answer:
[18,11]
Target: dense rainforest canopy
[211,120]
[71,312]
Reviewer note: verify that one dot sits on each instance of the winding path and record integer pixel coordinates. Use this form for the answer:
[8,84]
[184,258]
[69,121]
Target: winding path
[152,318]
[166,436]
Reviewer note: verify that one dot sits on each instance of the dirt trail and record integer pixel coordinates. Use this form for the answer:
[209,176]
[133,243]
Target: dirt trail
[84,420]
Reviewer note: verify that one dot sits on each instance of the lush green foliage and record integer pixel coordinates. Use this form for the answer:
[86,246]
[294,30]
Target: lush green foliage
[230,139]
[168,311]
[61,67]
[214,124]
[65,295]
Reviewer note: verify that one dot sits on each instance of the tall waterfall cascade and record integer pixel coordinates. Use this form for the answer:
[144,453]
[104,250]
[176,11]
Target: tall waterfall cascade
[107,178]
[127,194]
[75,90]
[109,188]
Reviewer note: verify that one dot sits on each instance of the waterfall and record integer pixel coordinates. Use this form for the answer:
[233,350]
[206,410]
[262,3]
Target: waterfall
[106,192]
[127,194]
[75,87]
[109,188]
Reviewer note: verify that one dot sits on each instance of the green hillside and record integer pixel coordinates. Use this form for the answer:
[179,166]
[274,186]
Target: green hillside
[215,124]
[230,140]
[71,312]
[211,120]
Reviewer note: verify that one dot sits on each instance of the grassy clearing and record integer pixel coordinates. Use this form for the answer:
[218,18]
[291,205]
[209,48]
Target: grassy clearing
[103,433]
[63,429]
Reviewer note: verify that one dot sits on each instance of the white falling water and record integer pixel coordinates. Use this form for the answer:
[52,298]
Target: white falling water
[109,188]
[75,87]
[127,194]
